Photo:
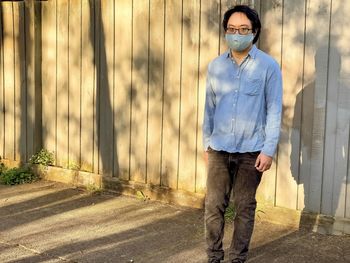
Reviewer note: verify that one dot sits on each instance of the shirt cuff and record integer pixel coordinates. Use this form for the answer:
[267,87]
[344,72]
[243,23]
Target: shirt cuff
[206,143]
[269,151]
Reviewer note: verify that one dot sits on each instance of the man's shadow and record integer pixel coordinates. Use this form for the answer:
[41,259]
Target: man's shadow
[316,150]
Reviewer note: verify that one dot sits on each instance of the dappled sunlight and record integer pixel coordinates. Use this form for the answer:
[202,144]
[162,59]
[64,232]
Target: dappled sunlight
[8,81]
[88,93]
[80,225]
[49,53]
[291,59]
[123,90]
[74,85]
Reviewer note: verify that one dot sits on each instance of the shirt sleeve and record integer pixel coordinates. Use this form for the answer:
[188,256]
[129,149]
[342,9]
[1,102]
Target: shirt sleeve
[273,97]
[209,110]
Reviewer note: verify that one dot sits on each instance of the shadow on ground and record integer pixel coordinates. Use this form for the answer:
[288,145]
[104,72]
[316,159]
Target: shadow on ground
[51,222]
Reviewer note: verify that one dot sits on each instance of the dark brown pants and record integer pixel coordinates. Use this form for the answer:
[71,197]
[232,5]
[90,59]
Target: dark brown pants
[227,170]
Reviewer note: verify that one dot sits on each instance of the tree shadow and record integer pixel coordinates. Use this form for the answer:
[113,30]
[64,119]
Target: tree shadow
[124,228]
[104,121]
[27,48]
[146,243]
[44,201]
[2,104]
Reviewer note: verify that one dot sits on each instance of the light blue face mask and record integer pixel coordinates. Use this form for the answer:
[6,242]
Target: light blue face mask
[238,42]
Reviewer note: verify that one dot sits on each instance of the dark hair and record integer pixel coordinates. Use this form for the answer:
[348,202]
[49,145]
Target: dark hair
[250,13]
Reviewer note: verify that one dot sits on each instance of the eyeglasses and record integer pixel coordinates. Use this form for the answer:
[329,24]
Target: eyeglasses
[241,30]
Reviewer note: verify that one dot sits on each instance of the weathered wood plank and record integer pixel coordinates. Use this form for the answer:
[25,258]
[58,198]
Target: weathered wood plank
[2,90]
[30,74]
[49,76]
[95,9]
[87,87]
[293,46]
[156,77]
[106,87]
[339,81]
[9,80]
[95,15]
[169,171]
[62,138]
[20,84]
[123,65]
[209,42]
[139,90]
[271,43]
[74,84]
[189,96]
[314,107]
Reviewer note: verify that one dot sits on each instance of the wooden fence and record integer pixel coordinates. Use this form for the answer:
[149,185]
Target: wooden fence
[117,88]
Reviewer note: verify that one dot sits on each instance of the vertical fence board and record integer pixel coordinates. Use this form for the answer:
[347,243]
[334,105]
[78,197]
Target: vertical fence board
[344,36]
[123,55]
[155,113]
[338,74]
[62,139]
[209,42]
[293,45]
[87,88]
[106,86]
[95,8]
[9,80]
[173,13]
[318,166]
[330,135]
[139,90]
[49,76]
[347,184]
[313,101]
[74,85]
[2,89]
[271,42]
[188,106]
[20,84]
[29,75]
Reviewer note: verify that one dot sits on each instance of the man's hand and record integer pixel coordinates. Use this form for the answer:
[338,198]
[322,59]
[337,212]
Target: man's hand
[263,162]
[205,156]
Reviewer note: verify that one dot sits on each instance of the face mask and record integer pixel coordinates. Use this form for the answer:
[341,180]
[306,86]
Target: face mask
[238,42]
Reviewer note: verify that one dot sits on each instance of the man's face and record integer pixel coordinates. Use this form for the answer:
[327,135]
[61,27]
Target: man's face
[239,20]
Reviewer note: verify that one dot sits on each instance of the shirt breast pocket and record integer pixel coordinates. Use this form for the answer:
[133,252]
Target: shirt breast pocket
[252,86]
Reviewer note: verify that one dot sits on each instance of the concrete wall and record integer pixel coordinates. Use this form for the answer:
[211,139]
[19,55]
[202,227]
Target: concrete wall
[117,88]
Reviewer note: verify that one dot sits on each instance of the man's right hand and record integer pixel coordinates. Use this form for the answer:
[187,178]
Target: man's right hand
[205,156]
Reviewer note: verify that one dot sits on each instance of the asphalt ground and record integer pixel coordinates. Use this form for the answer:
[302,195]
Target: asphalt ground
[53,222]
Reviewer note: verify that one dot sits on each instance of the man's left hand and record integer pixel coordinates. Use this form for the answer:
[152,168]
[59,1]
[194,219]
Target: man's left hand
[263,162]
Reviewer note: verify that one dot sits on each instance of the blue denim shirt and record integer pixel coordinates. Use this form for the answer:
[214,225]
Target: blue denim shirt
[243,104]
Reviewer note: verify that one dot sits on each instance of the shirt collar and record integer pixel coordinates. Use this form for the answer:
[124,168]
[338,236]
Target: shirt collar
[252,52]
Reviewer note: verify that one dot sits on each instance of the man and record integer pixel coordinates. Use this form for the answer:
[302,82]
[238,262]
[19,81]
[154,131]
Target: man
[240,131]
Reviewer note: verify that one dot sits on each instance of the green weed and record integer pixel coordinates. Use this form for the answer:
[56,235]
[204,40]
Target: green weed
[229,213]
[43,157]
[17,175]
[93,189]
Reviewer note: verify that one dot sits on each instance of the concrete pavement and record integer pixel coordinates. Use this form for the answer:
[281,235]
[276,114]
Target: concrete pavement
[53,222]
